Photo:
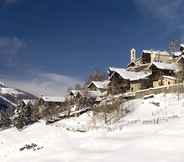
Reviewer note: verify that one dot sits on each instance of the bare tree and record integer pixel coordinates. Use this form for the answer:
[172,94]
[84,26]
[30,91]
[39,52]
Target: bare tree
[96,75]
[78,87]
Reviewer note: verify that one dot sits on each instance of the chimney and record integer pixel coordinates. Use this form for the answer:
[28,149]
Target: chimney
[132,55]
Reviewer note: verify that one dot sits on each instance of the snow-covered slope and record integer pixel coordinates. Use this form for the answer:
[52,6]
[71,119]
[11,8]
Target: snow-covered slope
[160,107]
[140,142]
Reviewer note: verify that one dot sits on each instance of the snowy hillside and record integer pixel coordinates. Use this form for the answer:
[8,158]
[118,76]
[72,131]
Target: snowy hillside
[157,108]
[129,141]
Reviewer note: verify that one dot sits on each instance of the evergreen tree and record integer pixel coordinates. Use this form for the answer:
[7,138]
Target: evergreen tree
[23,115]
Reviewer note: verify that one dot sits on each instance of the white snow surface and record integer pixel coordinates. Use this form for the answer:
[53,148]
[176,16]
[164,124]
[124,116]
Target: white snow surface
[138,142]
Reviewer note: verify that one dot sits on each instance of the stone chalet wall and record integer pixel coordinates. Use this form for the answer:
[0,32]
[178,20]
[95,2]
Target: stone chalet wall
[177,88]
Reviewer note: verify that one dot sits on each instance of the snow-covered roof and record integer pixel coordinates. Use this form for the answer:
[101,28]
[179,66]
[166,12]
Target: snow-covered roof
[177,53]
[53,99]
[130,75]
[182,45]
[100,84]
[165,66]
[156,52]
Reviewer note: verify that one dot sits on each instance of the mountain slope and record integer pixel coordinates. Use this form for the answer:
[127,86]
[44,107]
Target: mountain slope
[10,97]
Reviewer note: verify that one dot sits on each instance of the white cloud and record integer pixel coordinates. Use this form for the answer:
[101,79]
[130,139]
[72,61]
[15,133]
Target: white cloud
[44,84]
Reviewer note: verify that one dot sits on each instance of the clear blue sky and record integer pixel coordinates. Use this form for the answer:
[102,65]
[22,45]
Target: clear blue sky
[73,37]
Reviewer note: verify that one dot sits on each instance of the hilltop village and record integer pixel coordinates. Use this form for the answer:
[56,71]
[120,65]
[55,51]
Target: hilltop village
[154,69]
[154,72]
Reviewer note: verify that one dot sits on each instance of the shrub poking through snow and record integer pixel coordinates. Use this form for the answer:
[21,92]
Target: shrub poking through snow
[32,146]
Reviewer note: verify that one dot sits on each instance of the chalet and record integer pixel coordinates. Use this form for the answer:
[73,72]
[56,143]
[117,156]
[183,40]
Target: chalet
[159,70]
[49,101]
[123,80]
[101,86]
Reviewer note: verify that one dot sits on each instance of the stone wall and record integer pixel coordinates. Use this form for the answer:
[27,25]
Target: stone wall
[177,88]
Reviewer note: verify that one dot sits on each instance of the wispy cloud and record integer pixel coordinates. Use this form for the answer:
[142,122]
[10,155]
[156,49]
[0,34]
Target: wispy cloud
[9,48]
[43,83]
[170,12]
[7,2]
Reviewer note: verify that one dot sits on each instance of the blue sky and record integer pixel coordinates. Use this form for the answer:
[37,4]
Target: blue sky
[47,44]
